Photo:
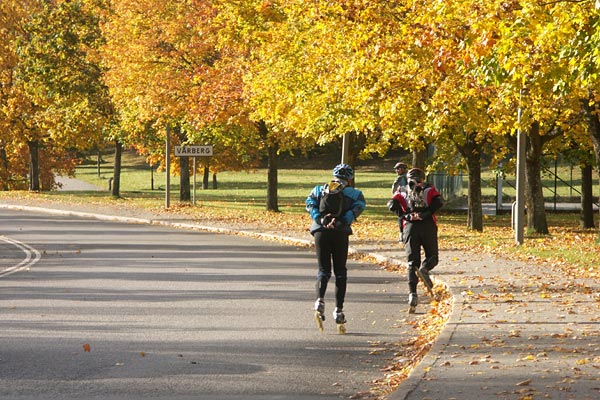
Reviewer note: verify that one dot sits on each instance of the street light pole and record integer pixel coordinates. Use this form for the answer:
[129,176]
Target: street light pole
[519,219]
[168,170]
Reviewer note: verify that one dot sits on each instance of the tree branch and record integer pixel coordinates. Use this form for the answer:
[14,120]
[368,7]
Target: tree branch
[563,1]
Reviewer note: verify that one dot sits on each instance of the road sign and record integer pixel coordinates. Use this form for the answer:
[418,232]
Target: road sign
[193,151]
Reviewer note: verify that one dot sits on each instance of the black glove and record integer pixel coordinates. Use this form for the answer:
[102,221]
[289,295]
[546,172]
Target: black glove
[425,214]
[326,220]
[393,205]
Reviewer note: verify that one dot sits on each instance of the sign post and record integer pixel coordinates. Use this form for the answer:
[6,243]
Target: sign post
[194,151]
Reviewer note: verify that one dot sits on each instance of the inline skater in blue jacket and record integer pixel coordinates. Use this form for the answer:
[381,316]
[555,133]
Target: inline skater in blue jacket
[333,208]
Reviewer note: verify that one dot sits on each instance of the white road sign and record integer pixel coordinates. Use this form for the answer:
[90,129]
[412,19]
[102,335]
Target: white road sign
[193,151]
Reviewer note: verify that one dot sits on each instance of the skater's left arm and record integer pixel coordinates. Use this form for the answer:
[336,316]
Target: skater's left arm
[312,203]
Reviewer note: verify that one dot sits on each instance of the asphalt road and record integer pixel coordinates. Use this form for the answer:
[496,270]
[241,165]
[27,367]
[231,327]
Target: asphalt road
[122,311]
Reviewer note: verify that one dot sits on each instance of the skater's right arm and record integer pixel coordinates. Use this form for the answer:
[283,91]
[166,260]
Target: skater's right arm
[398,205]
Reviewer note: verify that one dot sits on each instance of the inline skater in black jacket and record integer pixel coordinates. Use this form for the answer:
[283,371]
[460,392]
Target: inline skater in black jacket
[417,209]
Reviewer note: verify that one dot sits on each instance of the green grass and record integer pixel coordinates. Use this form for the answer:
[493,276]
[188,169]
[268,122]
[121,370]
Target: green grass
[241,197]
[237,189]
[250,187]
[247,190]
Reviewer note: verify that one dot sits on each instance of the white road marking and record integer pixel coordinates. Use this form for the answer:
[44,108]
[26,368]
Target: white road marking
[31,256]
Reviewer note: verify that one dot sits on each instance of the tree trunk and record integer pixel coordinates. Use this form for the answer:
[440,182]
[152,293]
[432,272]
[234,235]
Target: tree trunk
[98,163]
[6,170]
[34,165]
[354,145]
[116,186]
[185,191]
[272,166]
[586,219]
[475,209]
[205,177]
[592,110]
[536,211]
[215,181]
[418,158]
[472,154]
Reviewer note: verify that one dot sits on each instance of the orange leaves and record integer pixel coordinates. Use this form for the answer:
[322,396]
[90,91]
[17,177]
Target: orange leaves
[414,349]
[87,348]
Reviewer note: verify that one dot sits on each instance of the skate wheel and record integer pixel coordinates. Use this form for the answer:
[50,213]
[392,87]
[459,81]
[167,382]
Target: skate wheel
[319,321]
[341,328]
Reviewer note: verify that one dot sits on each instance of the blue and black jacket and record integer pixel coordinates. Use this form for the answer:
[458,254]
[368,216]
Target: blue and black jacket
[354,205]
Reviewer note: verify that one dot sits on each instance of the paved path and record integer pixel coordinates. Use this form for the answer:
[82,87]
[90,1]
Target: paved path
[517,331]
[72,184]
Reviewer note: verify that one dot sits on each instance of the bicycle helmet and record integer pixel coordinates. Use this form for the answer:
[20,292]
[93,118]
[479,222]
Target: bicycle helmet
[400,165]
[415,175]
[343,171]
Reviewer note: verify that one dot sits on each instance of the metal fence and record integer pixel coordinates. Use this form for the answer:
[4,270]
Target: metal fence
[560,184]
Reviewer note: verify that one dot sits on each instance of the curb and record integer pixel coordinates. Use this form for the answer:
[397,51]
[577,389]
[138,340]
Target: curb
[410,384]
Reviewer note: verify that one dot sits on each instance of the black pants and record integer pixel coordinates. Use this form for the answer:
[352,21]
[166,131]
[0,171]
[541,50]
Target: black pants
[416,235]
[332,251]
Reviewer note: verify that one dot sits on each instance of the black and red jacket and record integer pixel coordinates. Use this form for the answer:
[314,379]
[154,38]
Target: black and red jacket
[403,205]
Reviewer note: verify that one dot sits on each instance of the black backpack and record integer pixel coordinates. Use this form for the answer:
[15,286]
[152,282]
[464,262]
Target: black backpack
[332,199]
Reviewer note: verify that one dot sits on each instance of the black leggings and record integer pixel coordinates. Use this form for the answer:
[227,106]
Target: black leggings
[416,235]
[332,250]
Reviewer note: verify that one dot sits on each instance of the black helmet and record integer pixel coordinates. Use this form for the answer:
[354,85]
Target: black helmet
[416,175]
[400,165]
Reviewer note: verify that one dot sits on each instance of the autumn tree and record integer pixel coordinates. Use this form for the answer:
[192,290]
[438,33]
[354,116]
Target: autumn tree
[59,72]
[581,40]
[456,111]
[317,77]
[166,66]
[522,66]
[14,105]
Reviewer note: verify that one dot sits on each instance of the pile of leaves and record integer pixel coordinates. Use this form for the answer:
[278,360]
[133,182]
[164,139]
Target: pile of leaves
[409,353]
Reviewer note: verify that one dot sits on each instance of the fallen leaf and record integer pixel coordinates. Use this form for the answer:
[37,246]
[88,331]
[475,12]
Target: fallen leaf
[524,383]
[87,348]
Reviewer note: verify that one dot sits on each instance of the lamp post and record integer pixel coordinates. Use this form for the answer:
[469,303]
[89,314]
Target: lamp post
[519,218]
[168,170]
